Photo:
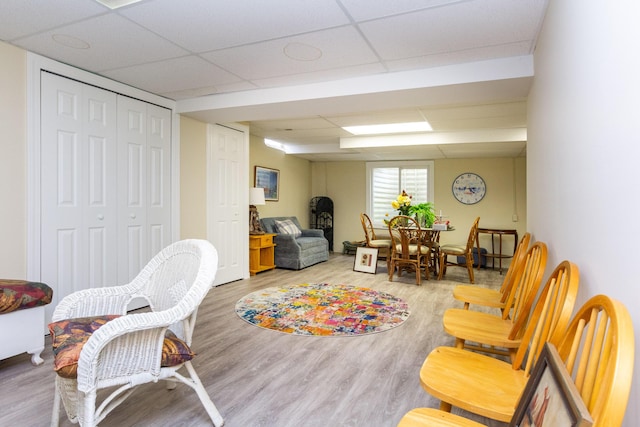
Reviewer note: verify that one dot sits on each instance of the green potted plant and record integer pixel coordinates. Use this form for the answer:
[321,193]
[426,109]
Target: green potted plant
[425,214]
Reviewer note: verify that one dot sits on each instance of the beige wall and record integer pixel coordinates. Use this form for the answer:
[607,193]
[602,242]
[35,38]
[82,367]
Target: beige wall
[345,184]
[13,162]
[193,179]
[295,181]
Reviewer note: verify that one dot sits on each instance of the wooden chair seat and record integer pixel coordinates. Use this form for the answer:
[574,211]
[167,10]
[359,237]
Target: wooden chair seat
[474,382]
[479,327]
[422,417]
[472,294]
[454,249]
[413,249]
[379,244]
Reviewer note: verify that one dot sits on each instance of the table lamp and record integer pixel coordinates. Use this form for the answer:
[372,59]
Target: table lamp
[256,197]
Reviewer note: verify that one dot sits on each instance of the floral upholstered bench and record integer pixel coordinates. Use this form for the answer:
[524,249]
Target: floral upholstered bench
[22,319]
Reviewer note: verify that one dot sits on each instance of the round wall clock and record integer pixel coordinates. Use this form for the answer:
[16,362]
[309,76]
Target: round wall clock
[468,188]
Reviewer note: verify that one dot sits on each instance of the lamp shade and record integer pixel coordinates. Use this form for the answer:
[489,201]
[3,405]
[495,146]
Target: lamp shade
[256,196]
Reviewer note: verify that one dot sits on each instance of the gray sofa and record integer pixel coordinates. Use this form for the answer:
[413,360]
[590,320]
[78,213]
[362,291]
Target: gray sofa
[296,253]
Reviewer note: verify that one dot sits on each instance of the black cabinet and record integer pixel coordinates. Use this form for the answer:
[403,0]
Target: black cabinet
[321,217]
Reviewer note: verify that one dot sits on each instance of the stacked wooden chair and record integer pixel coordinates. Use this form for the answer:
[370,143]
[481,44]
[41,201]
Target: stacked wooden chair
[597,349]
[502,334]
[490,387]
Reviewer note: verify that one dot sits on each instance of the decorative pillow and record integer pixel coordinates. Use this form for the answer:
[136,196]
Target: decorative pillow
[68,336]
[288,227]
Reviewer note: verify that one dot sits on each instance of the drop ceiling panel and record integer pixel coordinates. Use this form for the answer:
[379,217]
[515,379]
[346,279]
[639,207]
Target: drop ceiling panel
[364,10]
[177,74]
[433,31]
[19,18]
[129,45]
[322,50]
[210,25]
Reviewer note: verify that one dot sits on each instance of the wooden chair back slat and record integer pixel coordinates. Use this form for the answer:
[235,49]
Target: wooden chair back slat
[598,351]
[528,278]
[551,314]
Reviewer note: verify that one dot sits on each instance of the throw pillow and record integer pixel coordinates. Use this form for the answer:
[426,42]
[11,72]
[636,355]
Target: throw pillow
[288,227]
[69,336]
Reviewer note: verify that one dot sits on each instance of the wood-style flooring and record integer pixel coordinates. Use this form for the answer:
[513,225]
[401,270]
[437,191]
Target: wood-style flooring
[258,377]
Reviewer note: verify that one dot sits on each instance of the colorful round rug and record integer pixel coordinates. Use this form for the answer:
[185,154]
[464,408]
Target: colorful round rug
[323,310]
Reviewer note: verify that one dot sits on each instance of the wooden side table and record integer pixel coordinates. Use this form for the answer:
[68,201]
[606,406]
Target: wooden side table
[493,254]
[261,251]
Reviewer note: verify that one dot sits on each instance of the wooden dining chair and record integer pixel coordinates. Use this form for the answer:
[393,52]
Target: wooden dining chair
[487,297]
[501,334]
[486,385]
[460,250]
[407,248]
[372,241]
[598,351]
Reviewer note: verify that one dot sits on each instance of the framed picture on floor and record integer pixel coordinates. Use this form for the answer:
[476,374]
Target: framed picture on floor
[269,179]
[550,397]
[366,260]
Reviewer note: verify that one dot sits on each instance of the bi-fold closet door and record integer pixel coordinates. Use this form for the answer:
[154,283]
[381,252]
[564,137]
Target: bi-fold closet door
[105,185]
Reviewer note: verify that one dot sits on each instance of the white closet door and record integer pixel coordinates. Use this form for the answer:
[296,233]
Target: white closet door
[144,158]
[78,186]
[159,178]
[227,226]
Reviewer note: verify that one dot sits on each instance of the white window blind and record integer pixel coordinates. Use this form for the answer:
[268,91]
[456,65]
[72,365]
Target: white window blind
[386,180]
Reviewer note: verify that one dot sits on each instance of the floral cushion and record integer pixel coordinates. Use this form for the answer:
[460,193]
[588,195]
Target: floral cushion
[288,227]
[21,294]
[68,336]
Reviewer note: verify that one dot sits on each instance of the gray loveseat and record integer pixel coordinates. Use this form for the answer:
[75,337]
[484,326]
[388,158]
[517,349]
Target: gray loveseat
[296,253]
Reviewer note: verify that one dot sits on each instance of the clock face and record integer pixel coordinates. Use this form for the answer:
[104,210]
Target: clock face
[469,188]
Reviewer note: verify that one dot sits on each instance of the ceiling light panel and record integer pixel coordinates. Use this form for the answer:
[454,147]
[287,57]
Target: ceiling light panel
[115,4]
[389,128]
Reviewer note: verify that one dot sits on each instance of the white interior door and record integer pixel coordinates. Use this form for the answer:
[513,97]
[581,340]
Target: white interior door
[227,201]
[78,186]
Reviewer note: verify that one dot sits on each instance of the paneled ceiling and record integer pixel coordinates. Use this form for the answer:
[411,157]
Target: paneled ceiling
[297,70]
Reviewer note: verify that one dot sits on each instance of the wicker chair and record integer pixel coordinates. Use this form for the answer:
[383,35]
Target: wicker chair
[126,351]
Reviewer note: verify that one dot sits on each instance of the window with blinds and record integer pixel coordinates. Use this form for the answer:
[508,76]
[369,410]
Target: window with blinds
[386,180]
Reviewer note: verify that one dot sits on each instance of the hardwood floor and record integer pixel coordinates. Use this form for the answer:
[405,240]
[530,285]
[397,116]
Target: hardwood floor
[257,377]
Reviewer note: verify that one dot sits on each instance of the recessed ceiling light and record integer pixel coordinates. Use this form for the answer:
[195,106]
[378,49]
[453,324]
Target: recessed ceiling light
[302,52]
[389,128]
[114,4]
